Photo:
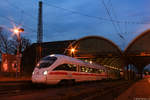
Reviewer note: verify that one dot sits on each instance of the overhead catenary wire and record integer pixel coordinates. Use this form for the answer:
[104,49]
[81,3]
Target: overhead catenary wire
[108,12]
[79,13]
[111,8]
[74,12]
[11,20]
[27,14]
[21,17]
[22,10]
[95,17]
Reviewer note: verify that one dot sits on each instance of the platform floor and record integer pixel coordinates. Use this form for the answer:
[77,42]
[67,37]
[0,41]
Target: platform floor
[138,91]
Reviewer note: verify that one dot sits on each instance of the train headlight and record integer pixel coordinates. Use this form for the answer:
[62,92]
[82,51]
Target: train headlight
[45,72]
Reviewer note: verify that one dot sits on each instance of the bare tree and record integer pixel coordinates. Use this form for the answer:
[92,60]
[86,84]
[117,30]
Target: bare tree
[4,42]
[8,45]
[23,45]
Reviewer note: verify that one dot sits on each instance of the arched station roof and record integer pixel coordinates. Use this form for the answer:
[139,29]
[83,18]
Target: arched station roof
[96,46]
[140,44]
[138,51]
[104,50]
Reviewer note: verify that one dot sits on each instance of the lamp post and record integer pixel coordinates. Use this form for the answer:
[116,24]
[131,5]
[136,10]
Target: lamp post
[17,32]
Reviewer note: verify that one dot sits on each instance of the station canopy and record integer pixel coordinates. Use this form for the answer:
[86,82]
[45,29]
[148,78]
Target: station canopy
[138,51]
[99,49]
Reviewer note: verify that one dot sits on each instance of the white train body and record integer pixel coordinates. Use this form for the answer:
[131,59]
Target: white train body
[53,69]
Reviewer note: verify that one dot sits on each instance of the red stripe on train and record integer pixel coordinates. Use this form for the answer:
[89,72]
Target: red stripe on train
[88,74]
[65,73]
[58,73]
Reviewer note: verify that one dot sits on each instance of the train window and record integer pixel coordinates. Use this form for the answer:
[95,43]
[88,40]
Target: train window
[47,61]
[67,67]
[44,65]
[104,70]
[82,69]
[72,67]
[95,70]
[86,69]
[48,58]
[90,70]
[99,71]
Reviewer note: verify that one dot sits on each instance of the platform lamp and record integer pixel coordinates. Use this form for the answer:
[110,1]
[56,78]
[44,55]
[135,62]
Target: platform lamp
[72,51]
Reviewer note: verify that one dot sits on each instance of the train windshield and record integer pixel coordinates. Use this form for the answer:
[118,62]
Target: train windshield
[46,62]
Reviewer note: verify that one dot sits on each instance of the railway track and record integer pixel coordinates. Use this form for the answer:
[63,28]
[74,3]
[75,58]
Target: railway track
[79,91]
[108,91]
[14,88]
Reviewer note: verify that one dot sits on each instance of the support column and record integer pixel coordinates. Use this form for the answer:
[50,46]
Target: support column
[132,72]
[134,75]
[124,73]
[127,72]
[141,74]
[140,71]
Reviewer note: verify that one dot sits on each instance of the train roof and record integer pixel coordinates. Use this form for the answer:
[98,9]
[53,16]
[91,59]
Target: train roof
[77,61]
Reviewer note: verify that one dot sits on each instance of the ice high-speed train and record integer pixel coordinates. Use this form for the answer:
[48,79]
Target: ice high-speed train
[56,68]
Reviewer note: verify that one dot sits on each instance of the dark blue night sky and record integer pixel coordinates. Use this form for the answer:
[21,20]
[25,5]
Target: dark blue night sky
[73,19]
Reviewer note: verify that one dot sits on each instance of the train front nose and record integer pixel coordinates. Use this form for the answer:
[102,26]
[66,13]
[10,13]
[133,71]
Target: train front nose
[38,76]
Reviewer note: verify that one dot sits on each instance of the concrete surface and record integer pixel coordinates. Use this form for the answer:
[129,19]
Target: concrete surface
[138,91]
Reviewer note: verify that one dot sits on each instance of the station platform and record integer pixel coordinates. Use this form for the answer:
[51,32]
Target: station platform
[138,91]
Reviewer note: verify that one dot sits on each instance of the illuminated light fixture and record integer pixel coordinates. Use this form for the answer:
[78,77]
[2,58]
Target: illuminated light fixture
[91,62]
[18,30]
[45,72]
[52,55]
[72,50]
